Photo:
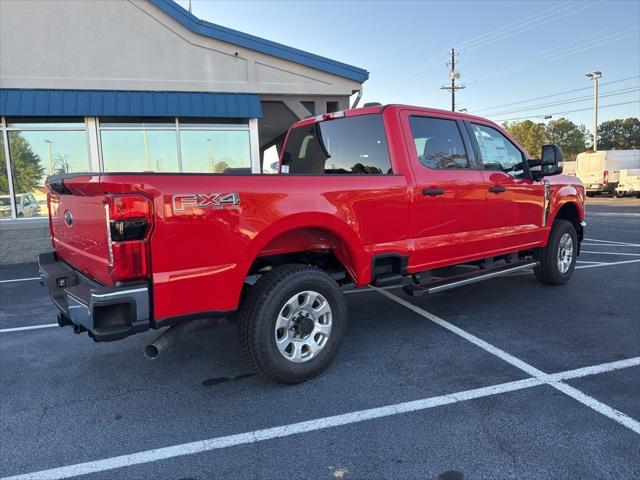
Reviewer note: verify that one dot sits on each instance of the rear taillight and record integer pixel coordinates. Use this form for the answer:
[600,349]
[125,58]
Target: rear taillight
[53,244]
[129,221]
[605,177]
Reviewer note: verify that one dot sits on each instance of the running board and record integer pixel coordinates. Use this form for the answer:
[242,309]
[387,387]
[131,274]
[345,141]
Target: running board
[465,279]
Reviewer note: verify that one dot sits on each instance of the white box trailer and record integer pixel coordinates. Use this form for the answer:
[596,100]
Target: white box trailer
[600,171]
[629,182]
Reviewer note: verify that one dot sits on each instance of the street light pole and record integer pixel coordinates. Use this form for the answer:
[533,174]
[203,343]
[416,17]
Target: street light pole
[210,155]
[595,76]
[48,142]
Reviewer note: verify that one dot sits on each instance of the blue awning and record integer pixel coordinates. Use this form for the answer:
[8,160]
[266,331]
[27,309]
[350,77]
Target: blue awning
[80,103]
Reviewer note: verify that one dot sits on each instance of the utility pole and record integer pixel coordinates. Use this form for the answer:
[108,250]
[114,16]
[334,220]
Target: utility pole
[453,75]
[595,76]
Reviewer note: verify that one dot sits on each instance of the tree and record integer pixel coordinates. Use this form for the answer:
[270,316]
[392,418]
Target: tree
[61,164]
[529,134]
[568,135]
[220,167]
[619,134]
[25,166]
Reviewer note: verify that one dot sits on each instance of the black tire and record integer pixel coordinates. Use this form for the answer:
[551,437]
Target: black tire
[548,271]
[591,194]
[261,308]
[619,194]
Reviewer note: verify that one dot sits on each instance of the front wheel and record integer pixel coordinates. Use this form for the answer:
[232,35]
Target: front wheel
[558,258]
[291,323]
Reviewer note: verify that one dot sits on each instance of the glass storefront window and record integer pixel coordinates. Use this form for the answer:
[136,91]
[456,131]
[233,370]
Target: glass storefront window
[211,151]
[42,146]
[36,154]
[139,150]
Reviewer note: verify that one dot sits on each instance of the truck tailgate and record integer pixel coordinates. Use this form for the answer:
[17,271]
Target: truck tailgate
[79,225]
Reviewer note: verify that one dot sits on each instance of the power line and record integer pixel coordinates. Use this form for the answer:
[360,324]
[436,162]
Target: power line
[568,111]
[559,52]
[518,26]
[499,33]
[564,102]
[552,95]
[557,15]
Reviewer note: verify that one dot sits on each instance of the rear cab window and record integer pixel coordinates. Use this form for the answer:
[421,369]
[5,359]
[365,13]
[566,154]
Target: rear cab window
[346,146]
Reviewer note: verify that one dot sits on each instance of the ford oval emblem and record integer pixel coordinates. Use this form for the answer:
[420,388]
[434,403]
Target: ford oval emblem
[68,218]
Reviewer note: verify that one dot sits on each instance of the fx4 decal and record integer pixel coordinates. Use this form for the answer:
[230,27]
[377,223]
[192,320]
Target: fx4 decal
[182,201]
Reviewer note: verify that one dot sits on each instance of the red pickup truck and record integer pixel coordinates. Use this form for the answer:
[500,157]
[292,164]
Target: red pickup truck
[381,195]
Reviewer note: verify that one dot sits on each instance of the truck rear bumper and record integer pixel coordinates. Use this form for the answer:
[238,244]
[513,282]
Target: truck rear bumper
[106,313]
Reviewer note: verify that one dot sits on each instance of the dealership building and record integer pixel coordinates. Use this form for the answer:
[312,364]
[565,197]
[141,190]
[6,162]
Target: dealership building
[141,85]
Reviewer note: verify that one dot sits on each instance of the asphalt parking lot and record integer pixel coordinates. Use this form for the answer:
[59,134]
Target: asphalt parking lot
[502,379]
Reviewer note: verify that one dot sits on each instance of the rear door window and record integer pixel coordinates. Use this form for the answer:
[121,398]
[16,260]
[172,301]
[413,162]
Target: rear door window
[438,143]
[349,145]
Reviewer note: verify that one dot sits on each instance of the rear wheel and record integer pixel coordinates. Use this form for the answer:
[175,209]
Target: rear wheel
[558,258]
[292,322]
[619,194]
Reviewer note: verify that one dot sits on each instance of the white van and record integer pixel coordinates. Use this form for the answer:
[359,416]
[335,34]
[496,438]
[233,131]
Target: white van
[600,171]
[629,183]
[569,168]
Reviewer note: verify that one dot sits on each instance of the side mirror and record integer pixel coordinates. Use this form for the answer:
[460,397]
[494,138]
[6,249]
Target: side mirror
[550,160]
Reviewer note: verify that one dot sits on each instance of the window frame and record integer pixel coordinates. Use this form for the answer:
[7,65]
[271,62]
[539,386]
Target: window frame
[478,152]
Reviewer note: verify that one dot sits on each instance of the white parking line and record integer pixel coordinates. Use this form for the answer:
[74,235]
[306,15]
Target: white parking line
[612,245]
[590,402]
[612,253]
[625,244]
[612,214]
[30,327]
[607,264]
[19,280]
[314,425]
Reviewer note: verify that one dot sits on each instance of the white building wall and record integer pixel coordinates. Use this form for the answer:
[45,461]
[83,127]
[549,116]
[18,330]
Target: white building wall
[132,45]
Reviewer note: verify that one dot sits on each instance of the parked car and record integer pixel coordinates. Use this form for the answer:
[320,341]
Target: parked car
[600,171]
[5,206]
[26,206]
[380,196]
[629,183]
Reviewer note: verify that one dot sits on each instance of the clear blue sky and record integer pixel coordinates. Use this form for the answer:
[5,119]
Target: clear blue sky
[515,50]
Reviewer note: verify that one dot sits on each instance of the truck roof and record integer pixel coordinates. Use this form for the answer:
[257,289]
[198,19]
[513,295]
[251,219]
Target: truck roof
[381,108]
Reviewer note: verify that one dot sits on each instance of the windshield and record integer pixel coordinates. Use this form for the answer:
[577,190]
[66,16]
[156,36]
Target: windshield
[350,145]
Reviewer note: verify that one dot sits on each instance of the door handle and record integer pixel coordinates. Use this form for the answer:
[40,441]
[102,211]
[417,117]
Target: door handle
[432,191]
[497,189]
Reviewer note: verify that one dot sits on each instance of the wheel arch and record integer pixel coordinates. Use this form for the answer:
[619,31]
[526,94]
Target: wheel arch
[311,233]
[569,211]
